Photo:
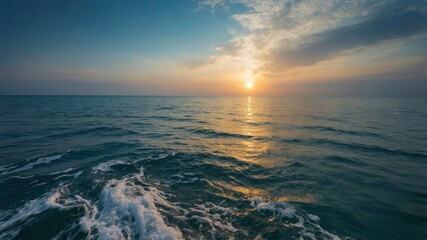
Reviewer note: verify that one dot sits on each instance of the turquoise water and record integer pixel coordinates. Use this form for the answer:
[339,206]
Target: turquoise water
[213,168]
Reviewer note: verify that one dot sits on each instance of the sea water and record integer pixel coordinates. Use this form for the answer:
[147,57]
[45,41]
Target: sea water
[213,168]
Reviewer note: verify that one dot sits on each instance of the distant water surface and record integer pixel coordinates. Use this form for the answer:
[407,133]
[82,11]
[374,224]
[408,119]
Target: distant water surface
[213,168]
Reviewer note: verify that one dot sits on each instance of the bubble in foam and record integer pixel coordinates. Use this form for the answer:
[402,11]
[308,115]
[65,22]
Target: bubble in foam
[128,211]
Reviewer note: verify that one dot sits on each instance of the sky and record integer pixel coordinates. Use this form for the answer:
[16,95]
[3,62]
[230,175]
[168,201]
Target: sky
[214,47]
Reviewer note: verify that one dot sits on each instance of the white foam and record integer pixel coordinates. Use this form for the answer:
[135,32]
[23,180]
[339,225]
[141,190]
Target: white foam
[40,184]
[63,171]
[20,177]
[32,207]
[75,175]
[160,156]
[47,160]
[106,166]
[59,198]
[127,211]
[211,214]
[283,209]
[183,178]
[307,223]
[313,217]
[42,160]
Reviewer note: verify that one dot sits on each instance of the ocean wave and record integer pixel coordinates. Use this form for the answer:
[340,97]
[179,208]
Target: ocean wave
[353,146]
[96,131]
[39,161]
[346,160]
[183,178]
[62,171]
[74,175]
[125,210]
[308,224]
[211,215]
[214,134]
[283,209]
[106,166]
[178,119]
[341,131]
[11,222]
[128,211]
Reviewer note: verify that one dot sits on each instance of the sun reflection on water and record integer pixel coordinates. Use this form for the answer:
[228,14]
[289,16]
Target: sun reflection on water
[232,191]
[254,147]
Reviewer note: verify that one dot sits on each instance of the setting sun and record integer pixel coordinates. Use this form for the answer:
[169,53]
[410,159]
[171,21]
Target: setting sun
[249,85]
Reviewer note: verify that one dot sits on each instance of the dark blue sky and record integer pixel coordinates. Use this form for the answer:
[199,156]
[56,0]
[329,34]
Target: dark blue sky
[78,32]
[213,47]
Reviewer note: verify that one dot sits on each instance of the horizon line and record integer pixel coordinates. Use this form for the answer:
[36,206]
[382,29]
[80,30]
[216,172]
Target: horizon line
[232,96]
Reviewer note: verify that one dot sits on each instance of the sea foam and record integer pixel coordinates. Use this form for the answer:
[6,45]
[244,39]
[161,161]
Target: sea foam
[33,207]
[128,211]
[42,160]
[307,223]
[106,166]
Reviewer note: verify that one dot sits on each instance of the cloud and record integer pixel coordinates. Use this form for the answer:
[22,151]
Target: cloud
[328,44]
[282,34]
[403,78]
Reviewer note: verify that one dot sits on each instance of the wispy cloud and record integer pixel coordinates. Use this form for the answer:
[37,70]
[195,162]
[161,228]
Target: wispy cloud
[283,34]
[325,45]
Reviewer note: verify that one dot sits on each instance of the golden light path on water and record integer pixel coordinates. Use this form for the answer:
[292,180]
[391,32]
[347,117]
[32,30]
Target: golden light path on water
[254,150]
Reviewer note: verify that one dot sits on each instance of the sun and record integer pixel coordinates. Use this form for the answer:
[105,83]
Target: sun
[249,84]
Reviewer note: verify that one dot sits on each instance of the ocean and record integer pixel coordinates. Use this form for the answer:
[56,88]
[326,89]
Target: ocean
[85,167]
